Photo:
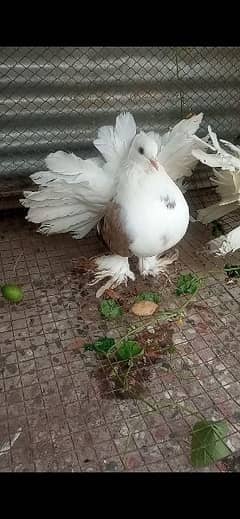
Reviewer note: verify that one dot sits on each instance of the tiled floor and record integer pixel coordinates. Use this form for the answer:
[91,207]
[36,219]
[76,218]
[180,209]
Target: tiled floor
[52,405]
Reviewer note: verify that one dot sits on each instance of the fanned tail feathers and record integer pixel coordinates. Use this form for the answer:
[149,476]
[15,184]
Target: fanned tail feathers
[176,146]
[113,142]
[72,195]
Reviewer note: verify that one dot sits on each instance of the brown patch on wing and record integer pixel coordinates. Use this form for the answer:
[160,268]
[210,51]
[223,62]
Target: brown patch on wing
[112,231]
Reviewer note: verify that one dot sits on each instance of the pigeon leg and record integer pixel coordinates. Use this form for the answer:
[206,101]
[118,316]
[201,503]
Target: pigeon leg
[116,268]
[154,266]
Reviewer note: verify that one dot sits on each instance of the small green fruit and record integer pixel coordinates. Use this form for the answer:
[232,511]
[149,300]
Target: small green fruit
[12,293]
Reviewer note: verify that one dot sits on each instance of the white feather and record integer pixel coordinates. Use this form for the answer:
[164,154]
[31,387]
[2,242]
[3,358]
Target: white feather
[227,183]
[221,159]
[114,143]
[232,147]
[72,195]
[67,163]
[114,267]
[225,244]
[8,444]
[71,181]
[142,198]
[176,146]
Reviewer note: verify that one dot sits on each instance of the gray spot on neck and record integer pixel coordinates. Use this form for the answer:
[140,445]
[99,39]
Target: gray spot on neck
[170,204]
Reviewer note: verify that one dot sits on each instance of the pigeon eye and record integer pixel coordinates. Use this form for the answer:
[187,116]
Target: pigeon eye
[141,150]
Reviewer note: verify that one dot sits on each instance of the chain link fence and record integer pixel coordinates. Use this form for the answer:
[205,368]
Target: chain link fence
[55,98]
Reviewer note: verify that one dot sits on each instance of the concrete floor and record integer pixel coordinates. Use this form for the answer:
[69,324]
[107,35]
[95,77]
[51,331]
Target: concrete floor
[52,405]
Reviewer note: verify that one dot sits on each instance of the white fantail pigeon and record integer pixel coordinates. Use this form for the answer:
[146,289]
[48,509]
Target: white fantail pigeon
[227,181]
[131,196]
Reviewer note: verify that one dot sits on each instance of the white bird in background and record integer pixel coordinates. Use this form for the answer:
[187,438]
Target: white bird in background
[227,180]
[137,207]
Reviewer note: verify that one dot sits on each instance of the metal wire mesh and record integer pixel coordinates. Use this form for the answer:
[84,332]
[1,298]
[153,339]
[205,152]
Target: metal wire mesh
[50,384]
[55,97]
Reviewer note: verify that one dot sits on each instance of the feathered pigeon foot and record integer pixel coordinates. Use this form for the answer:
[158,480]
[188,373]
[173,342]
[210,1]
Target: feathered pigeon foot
[114,267]
[153,266]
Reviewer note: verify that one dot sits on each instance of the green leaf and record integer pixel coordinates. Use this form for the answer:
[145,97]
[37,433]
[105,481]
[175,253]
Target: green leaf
[101,345]
[129,349]
[232,271]
[187,284]
[208,443]
[110,309]
[148,296]
[12,293]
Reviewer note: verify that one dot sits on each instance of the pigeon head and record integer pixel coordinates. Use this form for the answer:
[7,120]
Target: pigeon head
[144,151]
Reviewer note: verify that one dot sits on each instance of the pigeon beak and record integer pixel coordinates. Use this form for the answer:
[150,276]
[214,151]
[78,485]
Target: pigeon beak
[154,163]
